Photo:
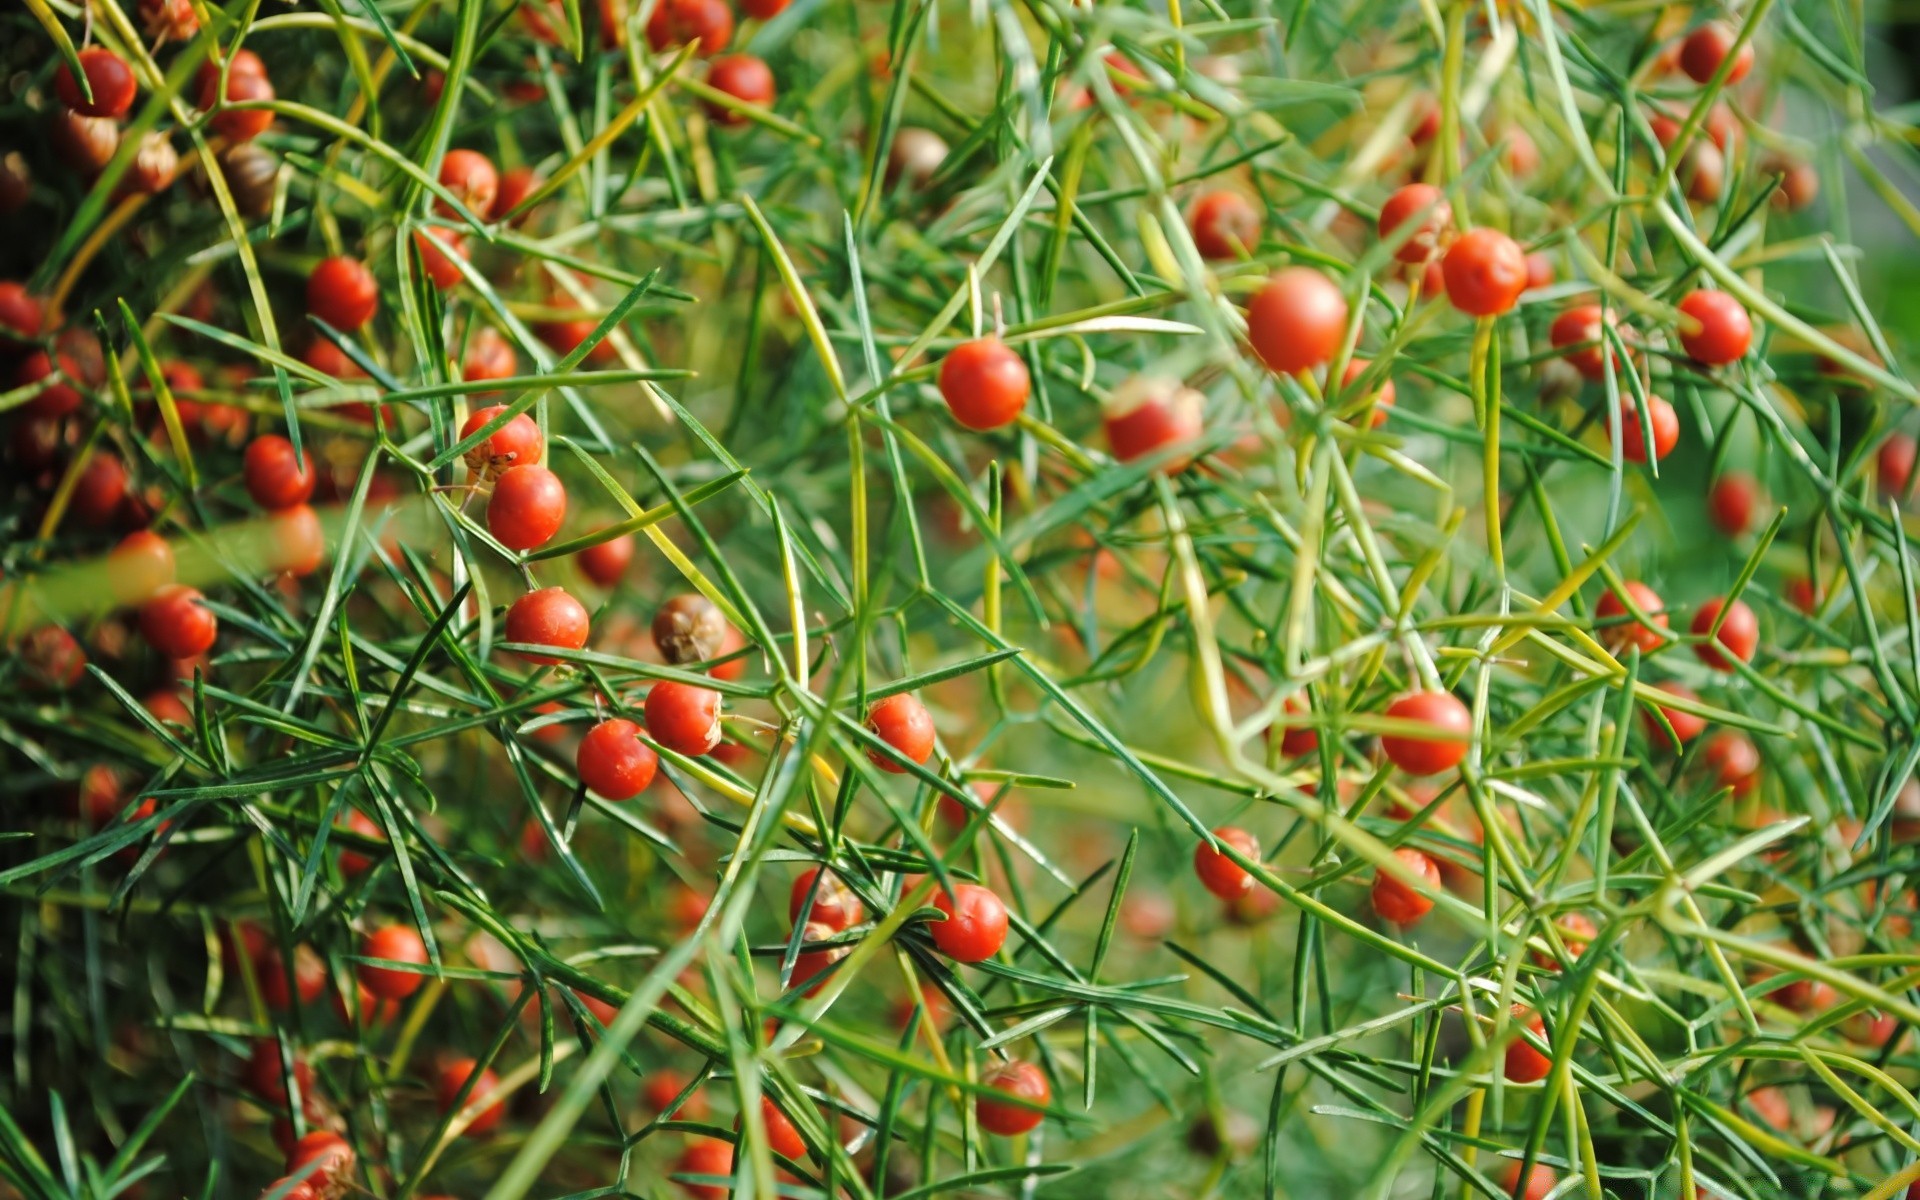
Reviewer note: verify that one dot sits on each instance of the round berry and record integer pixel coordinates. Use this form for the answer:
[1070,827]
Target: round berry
[53,659]
[1731,502]
[1019,1079]
[709,1157]
[515,186]
[782,1138]
[1666,430]
[517,443]
[298,543]
[1580,326]
[614,762]
[677,22]
[110,78]
[689,628]
[98,491]
[139,566]
[1799,183]
[1420,213]
[1148,414]
[1721,329]
[1739,633]
[1225,225]
[903,723]
[1894,463]
[1221,875]
[396,943]
[528,504]
[1577,932]
[745,78]
[276,476]
[177,624]
[1396,902]
[453,1077]
[1707,47]
[353,863]
[1296,321]
[1735,761]
[442,271]
[548,617]
[1485,272]
[1429,753]
[1611,612]
[243,87]
[21,315]
[470,176]
[342,292]
[975,926]
[1382,398]
[811,966]
[684,718]
[1524,1063]
[984,383]
[56,399]
[605,562]
[327,1158]
[1539,1182]
[489,357]
[1296,740]
[1686,726]
[834,904]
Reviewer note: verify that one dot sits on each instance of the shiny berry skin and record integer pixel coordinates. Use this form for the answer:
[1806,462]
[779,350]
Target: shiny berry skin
[1382,399]
[107,74]
[1707,47]
[1404,210]
[976,924]
[1686,726]
[1580,326]
[527,507]
[1724,330]
[342,292]
[1735,761]
[548,617]
[332,1162]
[299,544]
[1620,632]
[810,967]
[1524,1063]
[489,356]
[744,77]
[607,561]
[243,124]
[1666,430]
[470,176]
[782,1138]
[453,1077]
[1296,321]
[708,1157]
[1538,1186]
[1225,225]
[101,487]
[1221,875]
[1739,634]
[442,271]
[614,762]
[21,315]
[277,477]
[398,943]
[1396,902]
[904,723]
[55,400]
[1012,1078]
[1731,502]
[1485,272]
[517,443]
[684,718]
[677,22]
[1452,728]
[1148,414]
[139,566]
[176,624]
[1894,462]
[984,383]
[834,904]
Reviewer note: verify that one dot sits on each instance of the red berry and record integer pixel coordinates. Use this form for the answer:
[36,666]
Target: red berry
[21,316]
[677,22]
[453,1077]
[605,562]
[975,926]
[517,443]
[1147,414]
[1577,932]
[442,271]
[1297,740]
[398,943]
[564,336]
[1441,750]
[810,967]
[1799,183]
[1686,726]
[1422,211]
[834,904]
[489,356]
[1524,1063]
[515,186]
[1735,761]
[1611,611]
[53,658]
[1382,399]
[1731,501]
[99,490]
[332,1162]
[139,566]
[263,1077]
[239,124]
[1580,326]
[1014,1078]
[276,476]
[1396,902]
[684,718]
[298,543]
[1722,330]
[529,502]
[353,863]
[743,77]
[177,624]
[763,10]
[166,707]
[342,292]
[55,400]
[904,723]
[1221,875]
[1707,47]
[613,761]
[1225,225]
[1895,463]
[470,176]
[1739,633]
[169,20]
[110,78]
[1666,430]
[782,1138]
[1485,272]
[548,617]
[1296,321]
[1539,1182]
[708,1157]
[1539,269]
[984,383]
